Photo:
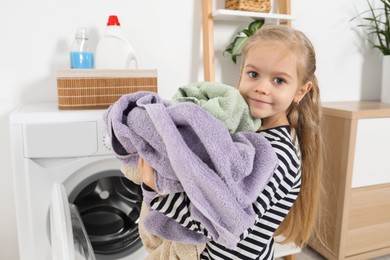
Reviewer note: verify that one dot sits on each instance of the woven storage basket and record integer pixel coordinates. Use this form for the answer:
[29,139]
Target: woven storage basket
[263,6]
[98,89]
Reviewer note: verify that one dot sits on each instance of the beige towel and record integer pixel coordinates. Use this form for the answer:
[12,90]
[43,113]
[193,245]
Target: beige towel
[131,172]
[159,248]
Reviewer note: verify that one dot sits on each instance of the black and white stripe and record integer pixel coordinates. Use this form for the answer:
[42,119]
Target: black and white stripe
[271,206]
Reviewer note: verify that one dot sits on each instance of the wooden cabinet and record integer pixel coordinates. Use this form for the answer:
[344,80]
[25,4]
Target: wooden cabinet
[355,223]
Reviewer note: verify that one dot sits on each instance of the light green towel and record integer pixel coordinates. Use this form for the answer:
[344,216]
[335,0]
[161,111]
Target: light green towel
[222,101]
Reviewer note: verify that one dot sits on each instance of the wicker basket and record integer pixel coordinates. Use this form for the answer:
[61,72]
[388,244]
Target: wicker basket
[263,6]
[98,89]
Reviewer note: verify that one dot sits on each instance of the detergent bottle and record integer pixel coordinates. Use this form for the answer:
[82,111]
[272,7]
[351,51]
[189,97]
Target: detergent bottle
[113,50]
[81,56]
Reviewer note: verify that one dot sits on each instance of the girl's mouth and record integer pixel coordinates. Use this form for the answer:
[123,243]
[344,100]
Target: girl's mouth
[259,101]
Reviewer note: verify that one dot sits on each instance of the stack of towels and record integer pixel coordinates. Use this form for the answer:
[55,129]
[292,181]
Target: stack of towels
[203,143]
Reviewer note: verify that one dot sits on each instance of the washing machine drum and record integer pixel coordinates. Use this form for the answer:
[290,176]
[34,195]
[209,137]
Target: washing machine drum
[110,209]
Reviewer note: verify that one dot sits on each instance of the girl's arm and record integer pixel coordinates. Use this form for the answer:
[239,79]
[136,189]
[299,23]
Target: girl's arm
[147,173]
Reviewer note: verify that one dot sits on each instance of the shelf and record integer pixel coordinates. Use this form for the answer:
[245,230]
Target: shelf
[239,16]
[209,14]
[357,109]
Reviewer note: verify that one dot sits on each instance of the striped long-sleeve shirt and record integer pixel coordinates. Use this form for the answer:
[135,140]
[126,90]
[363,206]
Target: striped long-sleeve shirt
[271,206]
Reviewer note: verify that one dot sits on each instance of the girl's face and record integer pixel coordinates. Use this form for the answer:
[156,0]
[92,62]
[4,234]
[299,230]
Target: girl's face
[269,83]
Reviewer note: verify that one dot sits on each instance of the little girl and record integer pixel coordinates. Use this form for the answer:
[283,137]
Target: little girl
[279,85]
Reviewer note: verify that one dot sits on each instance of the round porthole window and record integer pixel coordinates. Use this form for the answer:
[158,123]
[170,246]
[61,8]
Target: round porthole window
[109,208]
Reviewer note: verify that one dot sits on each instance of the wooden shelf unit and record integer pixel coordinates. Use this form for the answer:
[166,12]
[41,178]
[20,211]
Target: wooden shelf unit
[355,223]
[209,15]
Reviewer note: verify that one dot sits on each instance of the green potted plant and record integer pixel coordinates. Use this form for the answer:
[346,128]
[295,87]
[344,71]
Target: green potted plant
[234,47]
[377,24]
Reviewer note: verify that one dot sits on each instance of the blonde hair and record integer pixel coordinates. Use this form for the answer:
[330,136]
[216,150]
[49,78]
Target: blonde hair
[305,118]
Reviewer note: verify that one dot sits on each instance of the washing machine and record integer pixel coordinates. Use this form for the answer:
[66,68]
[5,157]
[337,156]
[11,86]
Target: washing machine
[72,201]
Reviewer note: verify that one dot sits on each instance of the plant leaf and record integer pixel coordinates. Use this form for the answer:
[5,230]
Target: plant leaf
[377,25]
[255,25]
[234,48]
[229,48]
[234,58]
[238,44]
[247,32]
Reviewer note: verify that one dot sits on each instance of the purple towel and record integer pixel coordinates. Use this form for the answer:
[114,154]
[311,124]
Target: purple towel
[192,151]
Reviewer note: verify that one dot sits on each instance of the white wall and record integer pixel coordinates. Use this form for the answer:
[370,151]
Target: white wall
[166,35]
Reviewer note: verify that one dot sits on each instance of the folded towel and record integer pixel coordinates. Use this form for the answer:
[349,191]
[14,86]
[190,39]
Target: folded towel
[192,151]
[222,101]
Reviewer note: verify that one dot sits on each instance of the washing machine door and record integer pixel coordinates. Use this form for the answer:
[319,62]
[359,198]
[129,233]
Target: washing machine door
[69,240]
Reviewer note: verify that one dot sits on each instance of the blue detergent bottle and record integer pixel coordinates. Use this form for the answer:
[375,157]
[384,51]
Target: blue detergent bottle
[81,56]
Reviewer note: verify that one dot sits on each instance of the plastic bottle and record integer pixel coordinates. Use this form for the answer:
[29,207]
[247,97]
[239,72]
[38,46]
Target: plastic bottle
[81,56]
[113,50]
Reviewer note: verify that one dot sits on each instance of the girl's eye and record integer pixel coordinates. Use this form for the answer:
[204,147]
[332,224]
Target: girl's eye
[253,74]
[279,81]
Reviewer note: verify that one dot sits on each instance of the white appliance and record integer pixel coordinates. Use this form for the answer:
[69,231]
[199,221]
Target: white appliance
[68,184]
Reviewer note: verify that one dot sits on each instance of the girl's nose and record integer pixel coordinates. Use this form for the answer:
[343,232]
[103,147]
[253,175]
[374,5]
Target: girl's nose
[263,87]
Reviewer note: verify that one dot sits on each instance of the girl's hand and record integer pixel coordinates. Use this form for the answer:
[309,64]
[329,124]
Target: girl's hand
[147,173]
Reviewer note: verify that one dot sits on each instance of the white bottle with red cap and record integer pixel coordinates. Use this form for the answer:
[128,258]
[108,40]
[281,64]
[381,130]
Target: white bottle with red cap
[113,50]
